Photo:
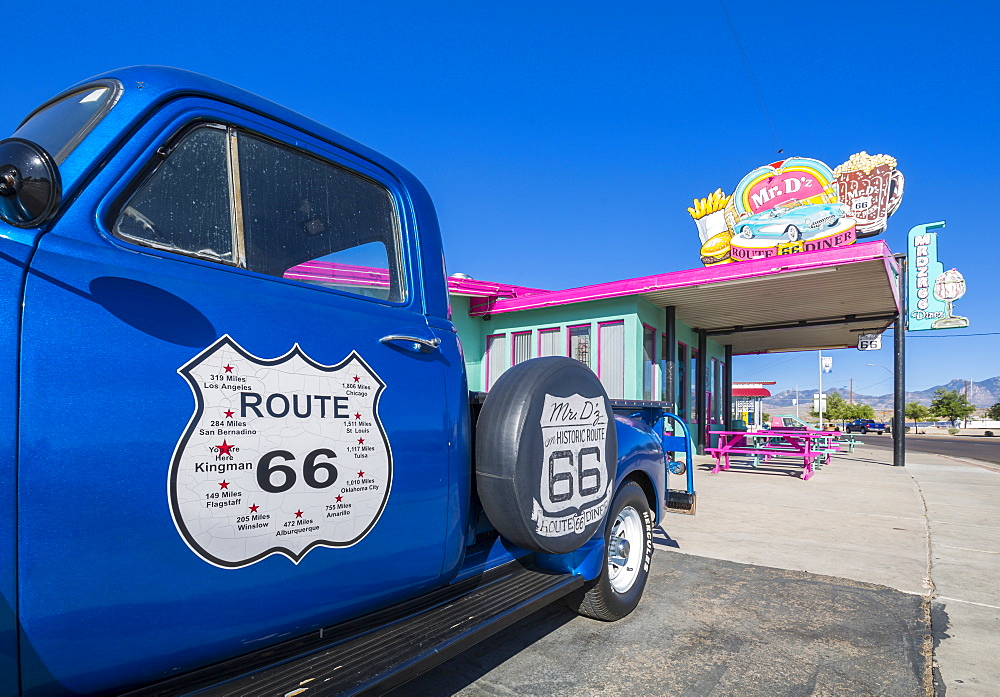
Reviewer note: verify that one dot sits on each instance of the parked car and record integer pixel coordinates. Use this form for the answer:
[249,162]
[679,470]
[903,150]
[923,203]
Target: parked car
[787,220]
[866,425]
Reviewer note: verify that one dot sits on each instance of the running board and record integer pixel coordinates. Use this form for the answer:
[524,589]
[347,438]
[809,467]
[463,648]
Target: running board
[374,654]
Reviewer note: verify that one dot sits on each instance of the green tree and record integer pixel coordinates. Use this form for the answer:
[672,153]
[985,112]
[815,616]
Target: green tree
[858,411]
[917,412]
[835,410]
[951,404]
[993,413]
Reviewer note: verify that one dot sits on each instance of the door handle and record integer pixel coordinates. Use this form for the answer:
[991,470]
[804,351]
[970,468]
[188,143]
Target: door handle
[412,343]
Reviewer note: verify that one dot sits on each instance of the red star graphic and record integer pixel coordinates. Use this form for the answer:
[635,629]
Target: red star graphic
[361,441]
[357,379]
[339,499]
[228,368]
[361,474]
[224,448]
[229,413]
[357,416]
[223,484]
[253,508]
[298,514]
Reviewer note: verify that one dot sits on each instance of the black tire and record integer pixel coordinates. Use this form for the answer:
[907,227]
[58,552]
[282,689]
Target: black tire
[601,599]
[864,431]
[880,433]
[547,486]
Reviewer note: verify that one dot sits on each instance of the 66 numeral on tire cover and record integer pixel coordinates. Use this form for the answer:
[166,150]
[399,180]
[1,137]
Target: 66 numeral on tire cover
[565,479]
[312,466]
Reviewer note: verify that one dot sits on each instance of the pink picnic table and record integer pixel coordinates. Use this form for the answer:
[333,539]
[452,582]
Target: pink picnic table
[793,443]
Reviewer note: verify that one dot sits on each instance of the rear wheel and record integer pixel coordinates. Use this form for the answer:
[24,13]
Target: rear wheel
[793,233]
[628,548]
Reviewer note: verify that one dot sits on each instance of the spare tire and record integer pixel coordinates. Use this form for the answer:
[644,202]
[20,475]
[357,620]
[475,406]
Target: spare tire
[546,454]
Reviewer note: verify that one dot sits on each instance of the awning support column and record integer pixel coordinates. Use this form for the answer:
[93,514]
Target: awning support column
[701,380]
[899,373]
[727,389]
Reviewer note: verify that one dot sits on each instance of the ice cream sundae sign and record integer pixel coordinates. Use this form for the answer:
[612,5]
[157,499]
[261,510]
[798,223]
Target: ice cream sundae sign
[798,205]
[932,290]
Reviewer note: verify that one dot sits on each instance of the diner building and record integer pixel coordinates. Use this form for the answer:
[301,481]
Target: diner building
[672,337]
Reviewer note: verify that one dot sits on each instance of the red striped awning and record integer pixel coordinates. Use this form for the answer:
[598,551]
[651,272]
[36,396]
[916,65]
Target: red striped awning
[751,392]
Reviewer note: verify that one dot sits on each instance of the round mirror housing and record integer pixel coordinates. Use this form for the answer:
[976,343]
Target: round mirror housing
[30,187]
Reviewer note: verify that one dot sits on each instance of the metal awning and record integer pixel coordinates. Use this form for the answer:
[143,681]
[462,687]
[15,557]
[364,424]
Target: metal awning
[794,302]
[751,392]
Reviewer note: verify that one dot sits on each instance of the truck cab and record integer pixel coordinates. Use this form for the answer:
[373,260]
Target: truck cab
[243,434]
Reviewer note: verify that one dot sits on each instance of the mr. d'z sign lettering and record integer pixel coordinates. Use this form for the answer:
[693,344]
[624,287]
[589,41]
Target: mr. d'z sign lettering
[281,455]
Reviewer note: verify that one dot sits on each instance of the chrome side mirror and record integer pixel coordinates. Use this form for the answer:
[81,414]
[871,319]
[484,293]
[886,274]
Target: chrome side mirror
[30,187]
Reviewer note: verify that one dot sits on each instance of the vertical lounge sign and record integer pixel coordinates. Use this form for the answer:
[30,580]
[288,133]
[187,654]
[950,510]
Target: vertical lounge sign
[932,290]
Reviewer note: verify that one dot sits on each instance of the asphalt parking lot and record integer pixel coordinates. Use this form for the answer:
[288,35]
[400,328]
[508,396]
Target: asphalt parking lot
[867,579]
[707,627]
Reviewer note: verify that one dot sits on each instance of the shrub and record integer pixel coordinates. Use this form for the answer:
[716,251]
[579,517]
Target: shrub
[952,431]
[906,430]
[989,433]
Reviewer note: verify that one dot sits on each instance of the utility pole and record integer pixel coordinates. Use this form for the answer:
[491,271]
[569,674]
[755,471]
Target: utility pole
[796,400]
[820,410]
[968,383]
[852,390]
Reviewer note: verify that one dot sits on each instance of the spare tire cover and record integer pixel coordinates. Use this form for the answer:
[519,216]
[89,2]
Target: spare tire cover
[546,454]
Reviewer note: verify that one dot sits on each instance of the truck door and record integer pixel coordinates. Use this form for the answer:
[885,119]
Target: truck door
[218,451]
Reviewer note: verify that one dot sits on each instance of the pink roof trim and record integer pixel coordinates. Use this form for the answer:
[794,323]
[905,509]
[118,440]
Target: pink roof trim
[866,251]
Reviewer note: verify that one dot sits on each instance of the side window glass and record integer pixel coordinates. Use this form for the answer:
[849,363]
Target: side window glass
[312,221]
[184,205]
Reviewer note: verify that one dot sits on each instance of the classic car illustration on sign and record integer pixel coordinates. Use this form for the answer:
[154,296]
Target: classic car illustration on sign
[798,205]
[790,219]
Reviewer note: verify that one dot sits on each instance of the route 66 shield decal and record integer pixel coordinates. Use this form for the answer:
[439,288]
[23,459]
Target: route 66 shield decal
[280,456]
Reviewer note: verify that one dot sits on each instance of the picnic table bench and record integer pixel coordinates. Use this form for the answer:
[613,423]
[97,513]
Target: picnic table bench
[811,446]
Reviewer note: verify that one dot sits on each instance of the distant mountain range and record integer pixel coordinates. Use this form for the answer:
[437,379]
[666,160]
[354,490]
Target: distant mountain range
[983,394]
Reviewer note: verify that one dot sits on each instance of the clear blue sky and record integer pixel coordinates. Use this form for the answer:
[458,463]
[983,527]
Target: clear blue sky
[562,141]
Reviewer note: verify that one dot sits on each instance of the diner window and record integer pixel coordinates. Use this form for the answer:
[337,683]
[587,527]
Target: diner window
[649,367]
[664,352]
[720,408]
[496,358]
[579,344]
[712,393]
[611,357]
[548,342]
[682,381]
[693,379]
[521,347]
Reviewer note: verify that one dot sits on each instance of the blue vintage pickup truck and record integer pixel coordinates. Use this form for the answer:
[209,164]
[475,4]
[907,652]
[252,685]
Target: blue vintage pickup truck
[239,454]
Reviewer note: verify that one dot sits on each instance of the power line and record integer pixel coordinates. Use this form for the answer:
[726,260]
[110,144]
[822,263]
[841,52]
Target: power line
[910,335]
[753,81]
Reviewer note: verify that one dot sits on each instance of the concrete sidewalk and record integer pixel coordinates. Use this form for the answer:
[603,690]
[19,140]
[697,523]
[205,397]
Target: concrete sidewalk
[930,529]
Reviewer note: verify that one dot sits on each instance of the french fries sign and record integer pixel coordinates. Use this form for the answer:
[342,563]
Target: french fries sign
[798,205]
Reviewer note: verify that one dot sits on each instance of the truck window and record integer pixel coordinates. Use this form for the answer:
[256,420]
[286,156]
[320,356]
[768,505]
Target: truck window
[301,218]
[60,125]
[314,221]
[184,206]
